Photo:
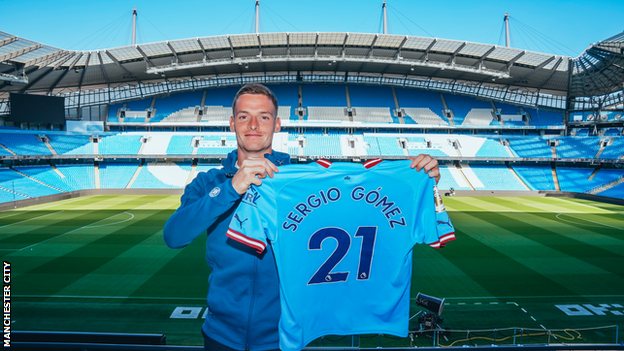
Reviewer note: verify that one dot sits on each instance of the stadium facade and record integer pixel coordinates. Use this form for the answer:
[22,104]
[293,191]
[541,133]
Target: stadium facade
[158,112]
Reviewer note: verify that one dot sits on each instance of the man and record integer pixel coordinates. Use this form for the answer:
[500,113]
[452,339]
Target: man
[243,298]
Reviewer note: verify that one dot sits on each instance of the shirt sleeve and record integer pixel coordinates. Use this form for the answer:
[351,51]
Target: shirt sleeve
[445,229]
[432,225]
[205,200]
[252,224]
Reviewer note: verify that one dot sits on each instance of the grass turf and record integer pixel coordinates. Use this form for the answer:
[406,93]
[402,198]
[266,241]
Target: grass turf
[99,264]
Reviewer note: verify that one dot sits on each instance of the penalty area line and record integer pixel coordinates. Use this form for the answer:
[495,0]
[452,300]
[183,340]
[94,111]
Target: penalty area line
[118,222]
[583,219]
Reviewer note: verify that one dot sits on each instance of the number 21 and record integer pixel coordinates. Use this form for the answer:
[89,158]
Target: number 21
[324,273]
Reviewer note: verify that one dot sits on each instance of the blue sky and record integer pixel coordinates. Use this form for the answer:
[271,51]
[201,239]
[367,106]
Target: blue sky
[556,27]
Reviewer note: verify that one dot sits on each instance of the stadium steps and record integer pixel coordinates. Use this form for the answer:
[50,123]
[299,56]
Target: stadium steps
[9,150]
[494,109]
[57,171]
[518,177]
[607,186]
[135,176]
[15,192]
[47,143]
[594,173]
[397,107]
[35,180]
[450,118]
[509,151]
[553,149]
[192,173]
[96,175]
[461,172]
[143,142]
[195,145]
[602,147]
[554,174]
[96,148]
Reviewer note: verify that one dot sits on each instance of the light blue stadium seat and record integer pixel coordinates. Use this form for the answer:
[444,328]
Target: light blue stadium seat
[120,144]
[536,177]
[496,177]
[492,148]
[116,175]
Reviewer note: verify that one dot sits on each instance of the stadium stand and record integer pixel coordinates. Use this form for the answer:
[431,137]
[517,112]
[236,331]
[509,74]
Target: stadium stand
[77,177]
[582,180]
[462,105]
[216,113]
[180,145]
[577,147]
[71,144]
[13,181]
[371,96]
[288,99]
[614,149]
[496,177]
[492,148]
[616,191]
[216,144]
[424,116]
[327,114]
[167,106]
[120,144]
[478,117]
[180,116]
[49,176]
[328,95]
[372,115]
[544,117]
[157,175]
[24,144]
[536,177]
[322,145]
[416,98]
[389,146]
[116,175]
[531,147]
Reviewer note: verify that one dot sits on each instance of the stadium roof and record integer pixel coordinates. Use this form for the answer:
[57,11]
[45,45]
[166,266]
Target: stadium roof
[27,66]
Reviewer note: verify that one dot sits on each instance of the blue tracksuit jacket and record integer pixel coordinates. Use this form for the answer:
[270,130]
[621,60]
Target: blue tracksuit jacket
[243,297]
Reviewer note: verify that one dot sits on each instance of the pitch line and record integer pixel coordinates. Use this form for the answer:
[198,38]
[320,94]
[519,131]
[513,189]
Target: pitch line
[83,227]
[118,222]
[587,220]
[26,220]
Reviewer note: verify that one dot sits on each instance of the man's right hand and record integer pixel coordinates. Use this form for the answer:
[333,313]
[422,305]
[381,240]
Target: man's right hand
[251,171]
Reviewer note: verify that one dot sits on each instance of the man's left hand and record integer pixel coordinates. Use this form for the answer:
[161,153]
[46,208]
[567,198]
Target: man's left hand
[428,163]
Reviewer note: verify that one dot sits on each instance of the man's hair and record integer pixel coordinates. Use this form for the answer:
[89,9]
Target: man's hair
[258,89]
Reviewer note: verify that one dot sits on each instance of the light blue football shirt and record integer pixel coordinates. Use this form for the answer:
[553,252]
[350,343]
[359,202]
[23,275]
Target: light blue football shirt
[342,235]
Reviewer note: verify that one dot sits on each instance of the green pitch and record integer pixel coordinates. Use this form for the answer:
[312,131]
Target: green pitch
[99,264]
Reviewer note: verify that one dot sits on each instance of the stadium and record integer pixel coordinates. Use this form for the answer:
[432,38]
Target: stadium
[97,146]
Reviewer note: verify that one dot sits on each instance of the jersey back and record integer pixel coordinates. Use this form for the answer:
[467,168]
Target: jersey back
[342,235]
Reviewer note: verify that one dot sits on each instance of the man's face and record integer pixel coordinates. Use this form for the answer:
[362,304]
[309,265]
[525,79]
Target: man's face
[254,123]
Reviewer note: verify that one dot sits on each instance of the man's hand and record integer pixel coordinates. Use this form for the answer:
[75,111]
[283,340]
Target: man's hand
[251,171]
[428,163]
